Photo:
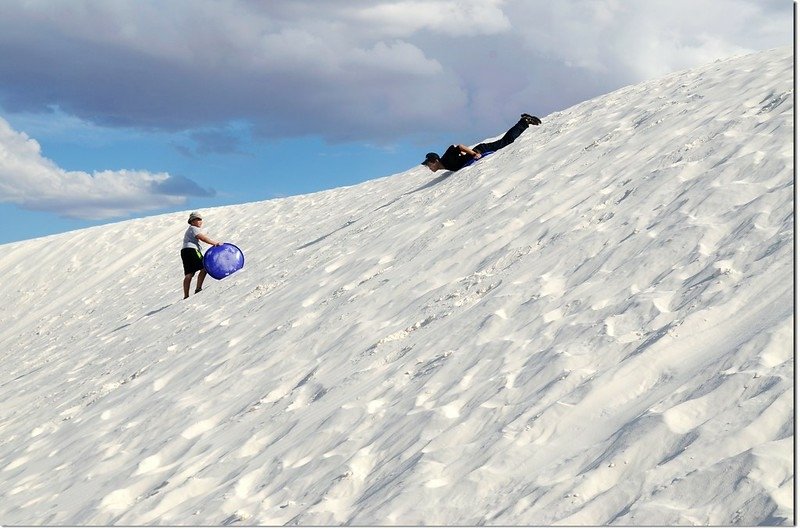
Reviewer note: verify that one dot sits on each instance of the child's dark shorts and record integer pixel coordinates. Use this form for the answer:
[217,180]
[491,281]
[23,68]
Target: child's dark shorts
[192,260]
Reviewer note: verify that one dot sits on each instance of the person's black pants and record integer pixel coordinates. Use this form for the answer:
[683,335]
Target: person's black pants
[509,137]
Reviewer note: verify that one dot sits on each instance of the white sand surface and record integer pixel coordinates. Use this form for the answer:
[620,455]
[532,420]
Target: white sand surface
[591,326]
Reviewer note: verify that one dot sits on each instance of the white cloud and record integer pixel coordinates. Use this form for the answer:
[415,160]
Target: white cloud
[397,56]
[34,182]
[356,69]
[462,18]
[641,40]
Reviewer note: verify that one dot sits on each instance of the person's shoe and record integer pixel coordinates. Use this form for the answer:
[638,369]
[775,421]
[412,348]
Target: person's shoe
[531,120]
[198,290]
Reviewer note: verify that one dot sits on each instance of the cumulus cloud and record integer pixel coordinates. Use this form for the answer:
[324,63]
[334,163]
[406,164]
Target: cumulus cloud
[462,18]
[638,40]
[34,182]
[356,69]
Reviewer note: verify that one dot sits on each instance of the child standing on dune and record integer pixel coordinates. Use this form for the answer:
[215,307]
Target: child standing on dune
[192,254]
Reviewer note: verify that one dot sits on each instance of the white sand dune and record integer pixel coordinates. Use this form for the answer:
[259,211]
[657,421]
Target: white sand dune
[592,326]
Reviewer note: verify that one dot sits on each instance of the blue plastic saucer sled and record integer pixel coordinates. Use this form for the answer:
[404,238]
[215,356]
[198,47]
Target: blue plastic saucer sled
[222,261]
[472,161]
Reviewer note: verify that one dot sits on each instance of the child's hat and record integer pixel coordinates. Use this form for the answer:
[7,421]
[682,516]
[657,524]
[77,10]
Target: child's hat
[194,215]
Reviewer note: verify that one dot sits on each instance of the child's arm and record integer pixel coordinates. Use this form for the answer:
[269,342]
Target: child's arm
[207,240]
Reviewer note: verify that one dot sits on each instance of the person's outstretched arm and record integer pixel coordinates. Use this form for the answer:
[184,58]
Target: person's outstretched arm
[207,240]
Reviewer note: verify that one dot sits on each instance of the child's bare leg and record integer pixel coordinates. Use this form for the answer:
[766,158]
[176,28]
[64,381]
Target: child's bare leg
[200,278]
[187,282]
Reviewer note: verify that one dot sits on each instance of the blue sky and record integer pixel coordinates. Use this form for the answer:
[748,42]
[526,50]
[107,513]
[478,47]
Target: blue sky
[117,110]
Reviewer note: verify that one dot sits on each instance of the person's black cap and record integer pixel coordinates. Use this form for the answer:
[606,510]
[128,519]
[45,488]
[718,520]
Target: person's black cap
[430,157]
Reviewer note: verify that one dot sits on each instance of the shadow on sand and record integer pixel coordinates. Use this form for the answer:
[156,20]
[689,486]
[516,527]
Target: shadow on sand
[423,187]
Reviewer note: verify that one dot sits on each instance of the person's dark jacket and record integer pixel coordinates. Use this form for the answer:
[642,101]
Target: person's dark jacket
[453,159]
